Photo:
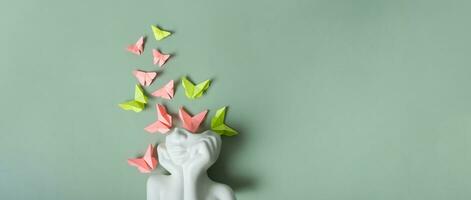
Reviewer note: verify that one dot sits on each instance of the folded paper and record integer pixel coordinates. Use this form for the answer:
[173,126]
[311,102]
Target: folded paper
[138,47]
[193,91]
[191,123]
[139,102]
[218,126]
[160,34]
[163,123]
[159,57]
[147,163]
[144,78]
[165,92]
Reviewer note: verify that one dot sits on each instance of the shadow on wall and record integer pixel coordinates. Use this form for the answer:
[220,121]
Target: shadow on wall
[221,170]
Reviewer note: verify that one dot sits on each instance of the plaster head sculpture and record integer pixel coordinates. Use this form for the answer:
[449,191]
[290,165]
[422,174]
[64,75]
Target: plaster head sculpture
[187,157]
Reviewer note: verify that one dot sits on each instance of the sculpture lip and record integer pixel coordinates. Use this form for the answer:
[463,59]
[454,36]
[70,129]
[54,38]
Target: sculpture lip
[177,150]
[178,153]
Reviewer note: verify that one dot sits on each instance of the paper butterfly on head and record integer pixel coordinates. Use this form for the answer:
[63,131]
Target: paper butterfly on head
[191,123]
[192,91]
[163,123]
[147,163]
[159,57]
[160,34]
[165,92]
[139,102]
[218,126]
[144,78]
[137,48]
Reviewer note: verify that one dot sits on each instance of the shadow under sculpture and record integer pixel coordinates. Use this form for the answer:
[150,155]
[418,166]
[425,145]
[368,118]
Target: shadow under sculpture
[187,157]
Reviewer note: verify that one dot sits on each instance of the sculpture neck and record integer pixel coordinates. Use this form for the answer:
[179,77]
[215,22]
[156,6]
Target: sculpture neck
[194,183]
[200,177]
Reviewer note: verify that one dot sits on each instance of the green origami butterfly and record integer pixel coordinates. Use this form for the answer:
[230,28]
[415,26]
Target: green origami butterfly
[218,126]
[192,91]
[160,34]
[139,102]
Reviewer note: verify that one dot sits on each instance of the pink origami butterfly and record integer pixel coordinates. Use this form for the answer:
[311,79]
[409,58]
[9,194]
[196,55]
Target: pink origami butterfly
[144,78]
[191,123]
[137,48]
[160,58]
[165,92]
[163,123]
[147,163]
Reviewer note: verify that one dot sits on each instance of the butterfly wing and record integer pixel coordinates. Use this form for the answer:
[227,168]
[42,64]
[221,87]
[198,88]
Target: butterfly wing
[163,116]
[170,89]
[164,59]
[139,102]
[133,49]
[163,34]
[140,42]
[218,118]
[157,126]
[140,76]
[218,126]
[201,88]
[163,123]
[138,47]
[145,78]
[189,88]
[141,165]
[225,130]
[162,92]
[149,77]
[185,118]
[147,163]
[197,119]
[160,34]
[149,157]
[156,55]
[132,105]
[139,95]
[165,92]
[191,123]
[159,58]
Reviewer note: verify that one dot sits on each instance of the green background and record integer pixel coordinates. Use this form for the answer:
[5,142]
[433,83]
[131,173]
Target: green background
[346,99]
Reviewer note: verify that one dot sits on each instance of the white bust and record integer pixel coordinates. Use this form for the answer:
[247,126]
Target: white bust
[187,157]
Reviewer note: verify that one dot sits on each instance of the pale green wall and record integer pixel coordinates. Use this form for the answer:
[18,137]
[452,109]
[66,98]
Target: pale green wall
[334,100]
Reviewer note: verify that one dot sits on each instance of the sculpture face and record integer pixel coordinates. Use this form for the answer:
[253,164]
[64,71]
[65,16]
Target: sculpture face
[183,148]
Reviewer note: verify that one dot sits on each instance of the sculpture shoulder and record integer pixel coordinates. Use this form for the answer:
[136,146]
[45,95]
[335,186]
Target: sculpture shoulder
[222,192]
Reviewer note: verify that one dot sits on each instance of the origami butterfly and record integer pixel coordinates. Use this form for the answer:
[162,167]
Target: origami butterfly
[165,92]
[191,123]
[163,123]
[159,57]
[218,126]
[192,91]
[147,163]
[139,102]
[137,48]
[160,33]
[144,78]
